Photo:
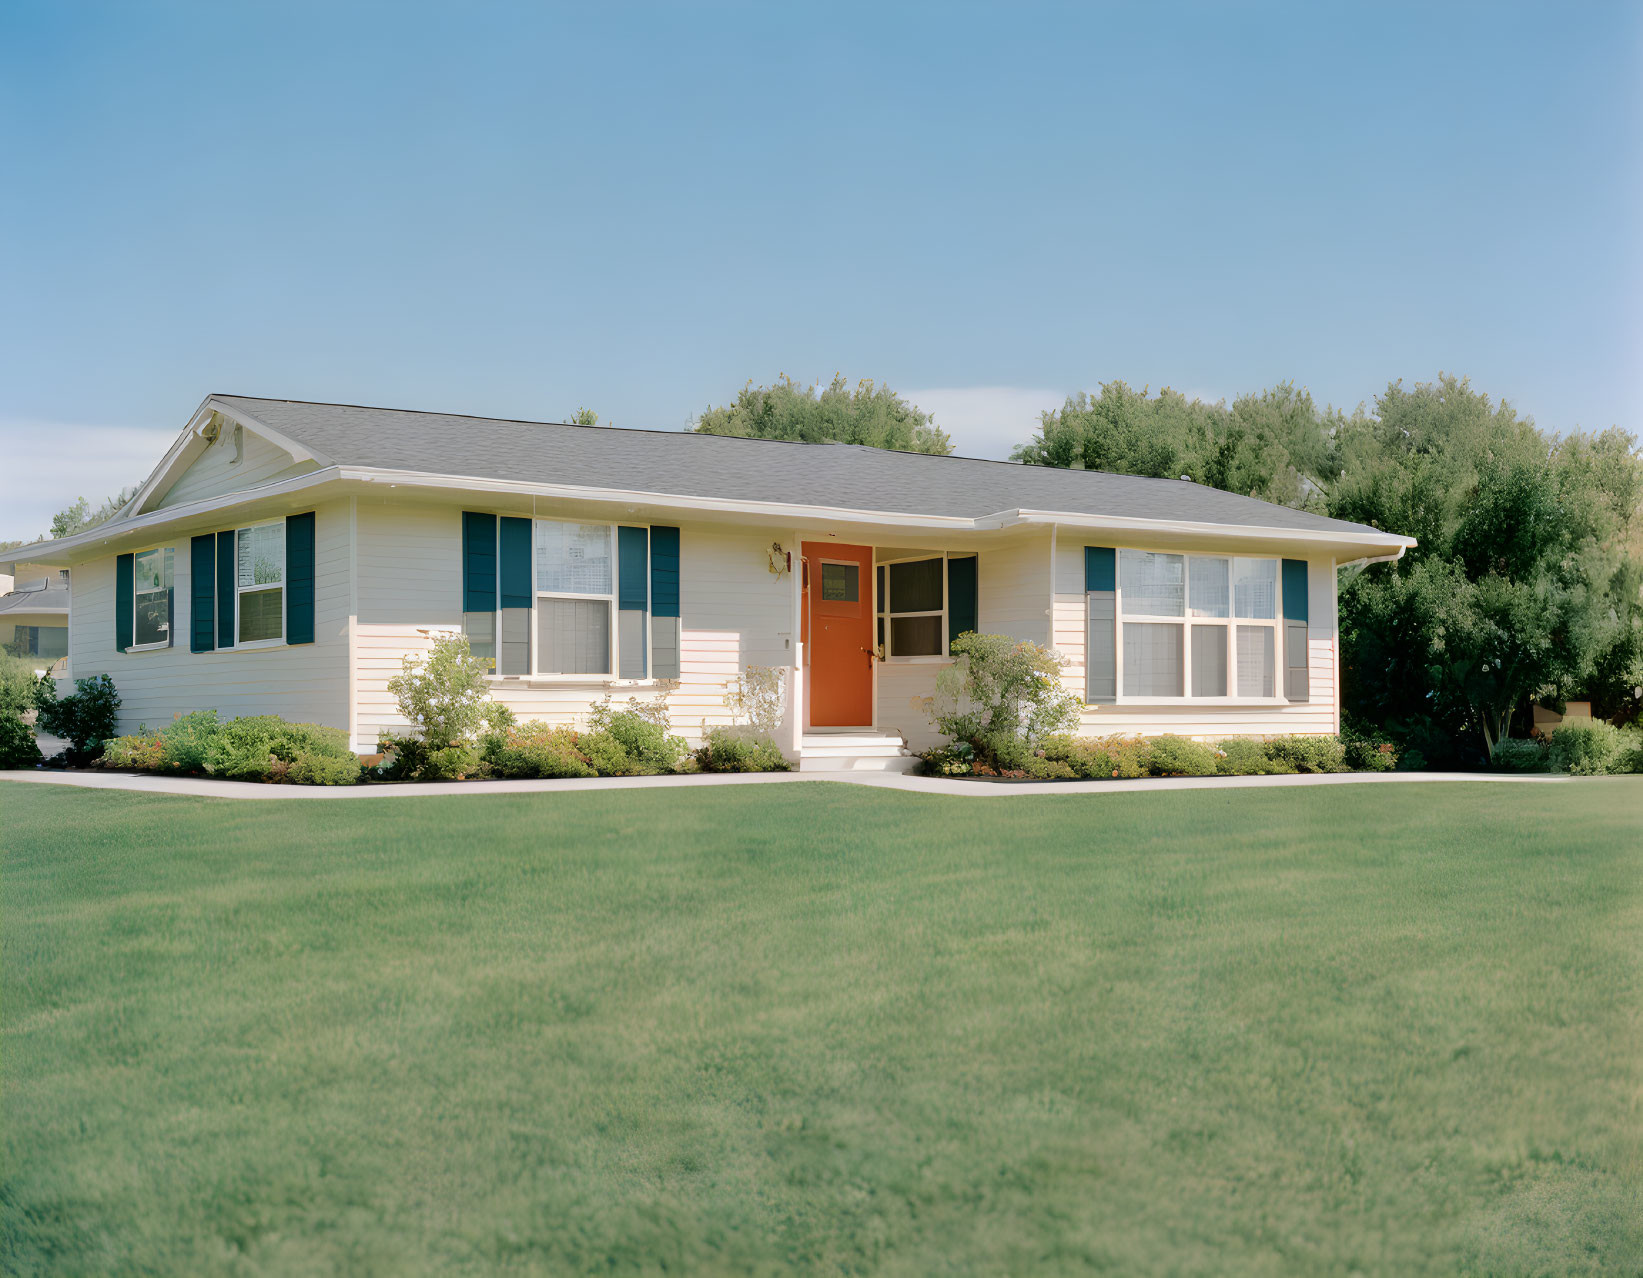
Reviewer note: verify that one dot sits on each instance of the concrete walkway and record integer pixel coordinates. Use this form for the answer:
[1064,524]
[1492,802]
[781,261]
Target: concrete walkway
[147,783]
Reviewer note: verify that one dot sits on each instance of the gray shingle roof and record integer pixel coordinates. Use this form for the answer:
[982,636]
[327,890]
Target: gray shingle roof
[682,463]
[54,598]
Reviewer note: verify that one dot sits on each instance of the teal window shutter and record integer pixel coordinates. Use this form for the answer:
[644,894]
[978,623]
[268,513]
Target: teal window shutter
[226,597]
[1297,674]
[1101,624]
[962,602]
[125,599]
[299,578]
[664,602]
[478,562]
[202,593]
[1100,568]
[514,575]
[632,598]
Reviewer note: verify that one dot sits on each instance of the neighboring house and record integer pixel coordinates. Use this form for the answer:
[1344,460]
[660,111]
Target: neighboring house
[285,557]
[34,614]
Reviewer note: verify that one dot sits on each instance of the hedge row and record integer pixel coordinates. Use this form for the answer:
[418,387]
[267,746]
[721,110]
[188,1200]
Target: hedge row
[1090,758]
[260,747]
[1586,748]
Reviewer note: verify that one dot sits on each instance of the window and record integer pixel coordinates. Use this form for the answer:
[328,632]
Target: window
[259,566]
[49,642]
[575,596]
[912,607]
[151,598]
[1197,625]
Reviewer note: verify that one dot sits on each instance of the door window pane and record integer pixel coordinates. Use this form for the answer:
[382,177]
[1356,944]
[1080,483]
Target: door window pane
[1255,654]
[841,583]
[1255,588]
[262,615]
[915,636]
[573,559]
[1207,580]
[916,586]
[1209,661]
[573,636]
[1152,659]
[1152,585]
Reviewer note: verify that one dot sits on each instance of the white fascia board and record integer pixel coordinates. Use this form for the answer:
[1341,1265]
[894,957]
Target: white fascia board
[182,454]
[1239,532]
[60,552]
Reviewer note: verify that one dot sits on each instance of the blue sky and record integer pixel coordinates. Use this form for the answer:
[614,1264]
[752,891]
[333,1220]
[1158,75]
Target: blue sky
[517,210]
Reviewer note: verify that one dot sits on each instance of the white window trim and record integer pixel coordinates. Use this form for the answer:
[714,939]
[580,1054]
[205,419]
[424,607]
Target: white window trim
[881,609]
[1230,623]
[261,645]
[161,644]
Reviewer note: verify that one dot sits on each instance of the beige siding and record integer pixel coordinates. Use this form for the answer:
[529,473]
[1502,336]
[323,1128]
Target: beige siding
[306,683]
[1317,715]
[734,614]
[216,472]
[1013,585]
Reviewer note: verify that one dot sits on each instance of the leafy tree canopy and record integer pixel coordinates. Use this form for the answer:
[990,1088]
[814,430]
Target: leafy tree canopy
[1275,444]
[80,516]
[1522,585]
[868,414]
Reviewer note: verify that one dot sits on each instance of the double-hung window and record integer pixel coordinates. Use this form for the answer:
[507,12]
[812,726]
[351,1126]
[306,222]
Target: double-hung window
[259,565]
[1197,625]
[912,607]
[151,597]
[575,597]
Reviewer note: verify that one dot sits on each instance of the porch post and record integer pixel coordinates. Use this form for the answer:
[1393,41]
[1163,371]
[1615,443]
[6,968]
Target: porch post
[792,729]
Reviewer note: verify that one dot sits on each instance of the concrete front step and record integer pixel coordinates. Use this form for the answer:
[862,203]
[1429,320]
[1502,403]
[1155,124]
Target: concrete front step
[902,763]
[862,751]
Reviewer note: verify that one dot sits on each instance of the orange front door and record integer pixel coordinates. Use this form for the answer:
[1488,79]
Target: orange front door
[838,599]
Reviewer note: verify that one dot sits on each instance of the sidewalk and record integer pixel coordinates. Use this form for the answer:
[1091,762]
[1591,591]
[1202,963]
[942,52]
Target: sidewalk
[205,787]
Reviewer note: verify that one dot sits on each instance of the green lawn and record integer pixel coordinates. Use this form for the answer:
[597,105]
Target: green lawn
[1349,1030]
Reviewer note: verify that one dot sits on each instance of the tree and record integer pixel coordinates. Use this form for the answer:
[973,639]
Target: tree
[583,417]
[870,414]
[80,516]
[1275,444]
[1521,586]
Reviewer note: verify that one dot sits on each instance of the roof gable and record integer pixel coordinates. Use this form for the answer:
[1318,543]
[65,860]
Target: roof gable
[220,451]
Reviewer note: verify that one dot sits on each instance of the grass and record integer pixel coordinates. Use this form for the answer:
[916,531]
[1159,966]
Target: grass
[1344,1030]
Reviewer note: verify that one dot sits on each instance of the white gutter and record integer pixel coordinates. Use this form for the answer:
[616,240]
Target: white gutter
[44,552]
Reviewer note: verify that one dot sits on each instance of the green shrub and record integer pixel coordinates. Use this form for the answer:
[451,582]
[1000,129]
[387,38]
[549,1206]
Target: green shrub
[641,730]
[1040,768]
[1248,757]
[1630,757]
[1515,754]
[1003,697]
[85,718]
[451,763]
[608,757]
[735,750]
[535,750]
[956,760]
[19,689]
[1100,757]
[185,742]
[139,752]
[1367,753]
[1587,748]
[445,695]
[18,748]
[1174,756]
[1307,754]
[265,747]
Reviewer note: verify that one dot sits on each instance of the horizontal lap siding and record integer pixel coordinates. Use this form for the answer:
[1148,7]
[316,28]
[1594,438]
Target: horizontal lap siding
[901,692]
[1316,715]
[307,683]
[216,472]
[1013,589]
[734,613]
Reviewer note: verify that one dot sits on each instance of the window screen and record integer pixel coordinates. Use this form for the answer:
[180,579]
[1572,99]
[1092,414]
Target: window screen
[1255,660]
[152,579]
[1152,585]
[1152,659]
[573,559]
[573,636]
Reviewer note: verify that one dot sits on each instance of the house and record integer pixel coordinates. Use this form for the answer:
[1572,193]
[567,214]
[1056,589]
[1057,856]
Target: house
[285,557]
[34,614]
